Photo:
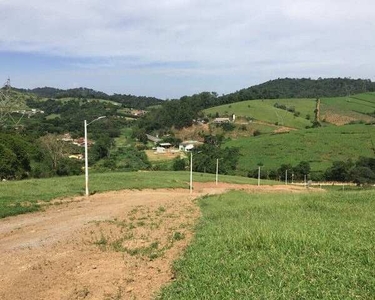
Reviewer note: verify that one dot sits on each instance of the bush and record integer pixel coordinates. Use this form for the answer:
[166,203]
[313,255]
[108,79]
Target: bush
[68,167]
[179,164]
[256,132]
[228,126]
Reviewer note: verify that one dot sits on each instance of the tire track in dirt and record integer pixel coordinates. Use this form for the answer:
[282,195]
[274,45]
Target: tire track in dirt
[115,245]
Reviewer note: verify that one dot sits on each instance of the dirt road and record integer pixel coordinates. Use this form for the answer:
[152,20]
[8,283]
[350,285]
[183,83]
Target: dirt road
[116,245]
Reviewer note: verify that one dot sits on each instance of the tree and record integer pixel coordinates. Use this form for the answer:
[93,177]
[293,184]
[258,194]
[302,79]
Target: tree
[101,148]
[54,149]
[281,172]
[206,155]
[214,140]
[179,164]
[302,169]
[339,171]
[14,157]
[361,175]
[140,135]
[7,162]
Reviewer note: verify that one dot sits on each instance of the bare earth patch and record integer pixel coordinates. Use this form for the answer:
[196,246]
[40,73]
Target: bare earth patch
[116,245]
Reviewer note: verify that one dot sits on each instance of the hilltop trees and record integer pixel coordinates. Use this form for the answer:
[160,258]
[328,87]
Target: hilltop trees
[14,157]
[178,113]
[300,88]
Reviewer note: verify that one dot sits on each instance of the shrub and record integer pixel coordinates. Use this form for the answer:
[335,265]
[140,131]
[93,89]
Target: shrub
[179,164]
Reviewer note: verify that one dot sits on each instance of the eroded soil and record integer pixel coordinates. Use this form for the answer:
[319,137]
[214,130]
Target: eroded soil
[115,245]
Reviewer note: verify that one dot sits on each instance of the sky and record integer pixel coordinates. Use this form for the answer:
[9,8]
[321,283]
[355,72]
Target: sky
[172,48]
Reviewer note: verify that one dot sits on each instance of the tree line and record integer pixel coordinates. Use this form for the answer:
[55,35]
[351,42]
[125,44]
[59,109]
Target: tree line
[360,172]
[138,102]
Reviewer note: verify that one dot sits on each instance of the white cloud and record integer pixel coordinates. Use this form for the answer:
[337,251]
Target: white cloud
[225,37]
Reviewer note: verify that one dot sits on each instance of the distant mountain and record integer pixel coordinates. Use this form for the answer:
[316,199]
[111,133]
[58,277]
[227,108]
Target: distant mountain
[139,102]
[300,88]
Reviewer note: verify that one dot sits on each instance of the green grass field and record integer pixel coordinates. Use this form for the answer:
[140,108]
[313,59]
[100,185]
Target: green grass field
[361,103]
[355,107]
[319,146]
[265,111]
[300,246]
[18,197]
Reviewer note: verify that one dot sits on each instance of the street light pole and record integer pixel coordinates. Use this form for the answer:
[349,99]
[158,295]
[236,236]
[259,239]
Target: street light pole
[217,170]
[85,124]
[191,172]
[86,162]
[286,176]
[258,175]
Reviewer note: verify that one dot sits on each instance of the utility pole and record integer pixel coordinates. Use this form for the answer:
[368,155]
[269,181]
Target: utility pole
[258,175]
[86,161]
[191,172]
[85,124]
[217,170]
[286,176]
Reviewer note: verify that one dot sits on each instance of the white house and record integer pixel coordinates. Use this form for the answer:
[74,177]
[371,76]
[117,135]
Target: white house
[221,120]
[189,145]
[160,150]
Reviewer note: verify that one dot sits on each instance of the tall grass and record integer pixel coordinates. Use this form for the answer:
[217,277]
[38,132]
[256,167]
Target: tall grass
[280,247]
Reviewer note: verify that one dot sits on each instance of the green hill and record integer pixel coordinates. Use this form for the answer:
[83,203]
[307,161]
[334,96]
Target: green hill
[296,112]
[301,88]
[319,146]
[139,102]
[265,110]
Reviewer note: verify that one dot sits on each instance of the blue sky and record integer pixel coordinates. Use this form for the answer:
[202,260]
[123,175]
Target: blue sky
[171,48]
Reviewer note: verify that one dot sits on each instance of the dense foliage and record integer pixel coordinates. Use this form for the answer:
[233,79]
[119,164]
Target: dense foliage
[139,102]
[301,88]
[69,116]
[15,155]
[205,157]
[360,172]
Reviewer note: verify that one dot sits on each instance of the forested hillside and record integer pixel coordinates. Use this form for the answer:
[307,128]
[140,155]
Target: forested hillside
[139,102]
[301,88]
[181,113]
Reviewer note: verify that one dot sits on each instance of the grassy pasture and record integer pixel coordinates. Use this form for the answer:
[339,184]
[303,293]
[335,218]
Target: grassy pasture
[265,111]
[354,107]
[18,197]
[361,103]
[319,146]
[286,246]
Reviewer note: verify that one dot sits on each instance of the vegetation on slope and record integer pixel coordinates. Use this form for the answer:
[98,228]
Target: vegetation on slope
[301,88]
[299,113]
[269,112]
[181,113]
[139,102]
[318,146]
